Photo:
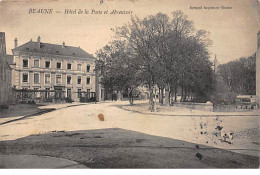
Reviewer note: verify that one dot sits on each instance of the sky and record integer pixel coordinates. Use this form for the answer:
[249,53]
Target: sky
[233,31]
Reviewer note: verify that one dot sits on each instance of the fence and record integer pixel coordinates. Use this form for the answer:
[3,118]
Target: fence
[86,96]
[39,96]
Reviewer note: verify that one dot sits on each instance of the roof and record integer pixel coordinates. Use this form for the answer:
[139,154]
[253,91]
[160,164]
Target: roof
[53,49]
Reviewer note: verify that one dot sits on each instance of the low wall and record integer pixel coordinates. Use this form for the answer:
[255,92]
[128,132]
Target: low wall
[232,108]
[200,106]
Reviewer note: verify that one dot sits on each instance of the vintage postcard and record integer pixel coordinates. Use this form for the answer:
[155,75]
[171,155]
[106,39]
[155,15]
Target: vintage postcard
[129,84]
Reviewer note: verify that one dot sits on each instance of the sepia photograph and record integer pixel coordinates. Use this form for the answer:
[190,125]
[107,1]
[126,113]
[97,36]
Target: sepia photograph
[129,84]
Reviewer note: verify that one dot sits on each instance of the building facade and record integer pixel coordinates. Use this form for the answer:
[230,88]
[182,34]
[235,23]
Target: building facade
[258,70]
[44,67]
[6,92]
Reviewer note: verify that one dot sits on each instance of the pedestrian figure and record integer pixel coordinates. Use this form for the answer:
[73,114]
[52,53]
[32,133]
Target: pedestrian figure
[130,95]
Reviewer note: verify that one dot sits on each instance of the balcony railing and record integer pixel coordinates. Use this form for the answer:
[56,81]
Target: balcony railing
[56,70]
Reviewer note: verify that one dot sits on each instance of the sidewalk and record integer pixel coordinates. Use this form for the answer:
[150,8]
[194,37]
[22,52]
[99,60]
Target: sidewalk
[35,161]
[143,107]
[21,111]
[59,105]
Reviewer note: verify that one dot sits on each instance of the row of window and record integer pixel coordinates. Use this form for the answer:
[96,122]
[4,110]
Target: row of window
[47,94]
[58,65]
[89,94]
[48,79]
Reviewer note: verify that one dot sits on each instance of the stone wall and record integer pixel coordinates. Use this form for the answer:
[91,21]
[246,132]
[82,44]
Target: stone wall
[200,106]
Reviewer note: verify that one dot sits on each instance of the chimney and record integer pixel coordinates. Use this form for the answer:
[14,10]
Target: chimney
[63,44]
[258,40]
[15,42]
[39,41]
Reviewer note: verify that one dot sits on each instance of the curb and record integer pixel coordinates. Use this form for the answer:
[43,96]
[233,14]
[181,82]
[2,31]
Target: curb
[187,115]
[42,111]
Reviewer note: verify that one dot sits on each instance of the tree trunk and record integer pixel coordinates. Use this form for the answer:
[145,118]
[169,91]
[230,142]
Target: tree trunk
[155,93]
[175,93]
[167,95]
[181,93]
[161,96]
[170,97]
[151,99]
[119,96]
[185,94]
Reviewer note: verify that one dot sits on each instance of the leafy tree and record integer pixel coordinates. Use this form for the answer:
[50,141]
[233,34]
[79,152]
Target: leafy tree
[118,67]
[159,51]
[236,77]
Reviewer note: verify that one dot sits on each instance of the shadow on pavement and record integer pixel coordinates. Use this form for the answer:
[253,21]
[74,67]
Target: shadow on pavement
[119,148]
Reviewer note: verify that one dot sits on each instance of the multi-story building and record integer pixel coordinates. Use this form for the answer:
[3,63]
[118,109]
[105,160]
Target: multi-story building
[6,97]
[258,71]
[51,67]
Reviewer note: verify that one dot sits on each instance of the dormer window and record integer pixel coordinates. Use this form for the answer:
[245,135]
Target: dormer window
[25,63]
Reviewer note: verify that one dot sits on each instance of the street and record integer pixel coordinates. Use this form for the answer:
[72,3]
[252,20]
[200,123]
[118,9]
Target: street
[187,128]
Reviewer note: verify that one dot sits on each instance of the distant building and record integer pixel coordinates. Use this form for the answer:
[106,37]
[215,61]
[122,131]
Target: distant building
[68,71]
[258,70]
[6,93]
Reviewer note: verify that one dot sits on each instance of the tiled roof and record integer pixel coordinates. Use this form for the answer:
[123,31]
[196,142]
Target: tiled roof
[54,49]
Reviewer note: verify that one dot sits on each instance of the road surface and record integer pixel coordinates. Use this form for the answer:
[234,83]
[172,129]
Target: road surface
[194,129]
